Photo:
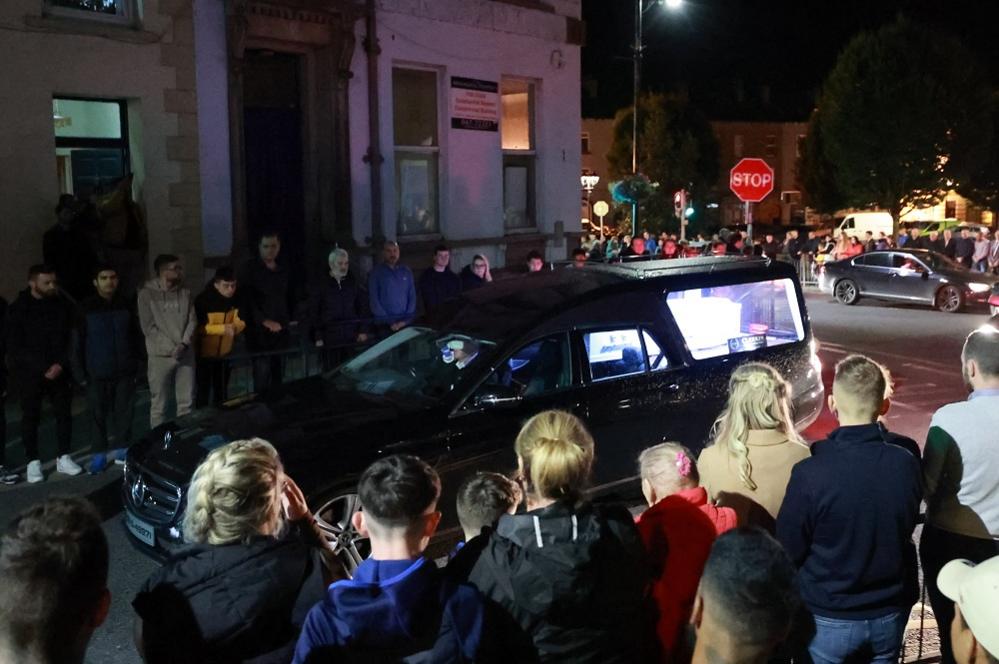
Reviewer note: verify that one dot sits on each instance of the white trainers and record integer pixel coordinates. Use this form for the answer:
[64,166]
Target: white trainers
[67,466]
[34,472]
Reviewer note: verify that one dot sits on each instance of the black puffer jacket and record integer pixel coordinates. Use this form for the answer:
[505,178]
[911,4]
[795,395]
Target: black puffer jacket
[574,580]
[38,335]
[232,603]
[335,302]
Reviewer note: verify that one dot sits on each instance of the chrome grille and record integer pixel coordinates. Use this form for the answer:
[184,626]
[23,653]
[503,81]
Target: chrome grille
[151,498]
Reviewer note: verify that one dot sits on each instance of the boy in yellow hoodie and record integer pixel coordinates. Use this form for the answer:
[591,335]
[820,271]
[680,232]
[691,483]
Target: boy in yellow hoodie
[218,325]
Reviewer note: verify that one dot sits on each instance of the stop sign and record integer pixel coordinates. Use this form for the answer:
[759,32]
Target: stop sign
[751,180]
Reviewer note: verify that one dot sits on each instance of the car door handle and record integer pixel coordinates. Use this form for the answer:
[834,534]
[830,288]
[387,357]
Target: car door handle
[673,387]
[624,404]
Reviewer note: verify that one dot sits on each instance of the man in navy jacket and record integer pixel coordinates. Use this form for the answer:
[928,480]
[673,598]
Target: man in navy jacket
[847,521]
[106,346]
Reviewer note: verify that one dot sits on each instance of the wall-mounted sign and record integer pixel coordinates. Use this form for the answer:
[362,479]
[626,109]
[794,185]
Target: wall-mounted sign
[474,104]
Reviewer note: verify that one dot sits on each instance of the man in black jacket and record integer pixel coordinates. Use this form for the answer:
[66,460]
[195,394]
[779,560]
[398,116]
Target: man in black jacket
[337,310]
[265,287]
[6,477]
[438,283]
[68,249]
[38,342]
[106,345]
[847,521]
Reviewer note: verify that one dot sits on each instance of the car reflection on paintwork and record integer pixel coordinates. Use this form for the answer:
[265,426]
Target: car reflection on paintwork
[906,275]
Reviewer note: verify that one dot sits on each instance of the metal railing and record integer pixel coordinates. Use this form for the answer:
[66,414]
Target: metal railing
[299,358]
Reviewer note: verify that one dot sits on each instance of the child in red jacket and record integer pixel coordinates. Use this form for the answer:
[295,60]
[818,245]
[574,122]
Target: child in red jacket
[678,530]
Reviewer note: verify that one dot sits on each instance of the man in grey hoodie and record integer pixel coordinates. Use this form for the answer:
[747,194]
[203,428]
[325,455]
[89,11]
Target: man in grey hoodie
[168,322]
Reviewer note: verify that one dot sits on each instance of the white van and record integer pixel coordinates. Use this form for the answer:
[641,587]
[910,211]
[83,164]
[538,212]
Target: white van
[859,223]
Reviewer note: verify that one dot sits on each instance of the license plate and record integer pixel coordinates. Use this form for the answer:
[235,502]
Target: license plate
[140,529]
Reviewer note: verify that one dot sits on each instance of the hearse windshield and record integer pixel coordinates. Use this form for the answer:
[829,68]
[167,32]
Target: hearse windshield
[416,362]
[735,318]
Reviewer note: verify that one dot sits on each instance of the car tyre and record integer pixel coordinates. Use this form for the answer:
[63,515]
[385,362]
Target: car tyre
[335,520]
[950,299]
[846,291]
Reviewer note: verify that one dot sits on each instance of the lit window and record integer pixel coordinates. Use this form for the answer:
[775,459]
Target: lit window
[417,150]
[91,137]
[737,318]
[114,11]
[519,155]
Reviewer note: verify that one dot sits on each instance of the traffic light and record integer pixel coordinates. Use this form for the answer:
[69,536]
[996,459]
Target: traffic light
[679,204]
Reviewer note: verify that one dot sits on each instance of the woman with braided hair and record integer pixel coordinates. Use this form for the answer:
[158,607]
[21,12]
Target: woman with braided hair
[566,577]
[254,565]
[748,464]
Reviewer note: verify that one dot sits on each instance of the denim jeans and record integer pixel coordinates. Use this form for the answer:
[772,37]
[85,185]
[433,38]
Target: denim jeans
[872,640]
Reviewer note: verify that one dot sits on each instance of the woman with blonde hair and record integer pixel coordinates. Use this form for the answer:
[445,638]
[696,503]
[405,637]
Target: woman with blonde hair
[748,464]
[569,575]
[254,565]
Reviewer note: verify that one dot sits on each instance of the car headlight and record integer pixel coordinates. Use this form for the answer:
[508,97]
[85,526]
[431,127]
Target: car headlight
[976,287]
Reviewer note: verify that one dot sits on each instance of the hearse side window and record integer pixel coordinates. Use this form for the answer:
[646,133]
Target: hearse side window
[734,318]
[540,367]
[613,353]
[655,354]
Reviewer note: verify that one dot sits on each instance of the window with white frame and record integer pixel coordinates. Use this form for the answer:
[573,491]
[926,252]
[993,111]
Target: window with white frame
[111,11]
[417,150]
[519,152]
[92,144]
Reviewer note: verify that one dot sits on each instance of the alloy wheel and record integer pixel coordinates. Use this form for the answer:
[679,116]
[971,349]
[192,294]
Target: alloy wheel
[335,520]
[949,299]
[846,291]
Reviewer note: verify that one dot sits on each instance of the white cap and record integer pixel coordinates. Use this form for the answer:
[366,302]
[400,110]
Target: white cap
[975,588]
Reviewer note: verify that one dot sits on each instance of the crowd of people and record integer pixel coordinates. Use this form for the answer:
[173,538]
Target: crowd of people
[66,329]
[762,548]
[973,249]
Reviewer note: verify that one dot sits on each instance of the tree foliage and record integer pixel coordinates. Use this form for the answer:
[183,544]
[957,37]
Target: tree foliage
[902,118]
[819,182]
[982,187]
[677,149]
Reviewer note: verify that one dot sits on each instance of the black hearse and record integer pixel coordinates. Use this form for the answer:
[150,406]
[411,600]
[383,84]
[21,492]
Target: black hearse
[641,351]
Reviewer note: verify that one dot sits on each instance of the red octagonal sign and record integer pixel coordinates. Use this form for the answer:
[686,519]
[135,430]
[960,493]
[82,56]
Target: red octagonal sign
[751,180]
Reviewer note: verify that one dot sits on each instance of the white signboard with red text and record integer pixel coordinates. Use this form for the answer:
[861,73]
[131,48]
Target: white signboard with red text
[475,104]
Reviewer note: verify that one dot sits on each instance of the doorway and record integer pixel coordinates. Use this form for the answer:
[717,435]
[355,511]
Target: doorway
[273,158]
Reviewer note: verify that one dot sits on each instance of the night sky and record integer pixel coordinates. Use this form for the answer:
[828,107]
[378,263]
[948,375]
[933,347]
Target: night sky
[731,55]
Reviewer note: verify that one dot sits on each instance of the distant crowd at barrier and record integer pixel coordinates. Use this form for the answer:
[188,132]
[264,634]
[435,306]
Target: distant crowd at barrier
[763,548]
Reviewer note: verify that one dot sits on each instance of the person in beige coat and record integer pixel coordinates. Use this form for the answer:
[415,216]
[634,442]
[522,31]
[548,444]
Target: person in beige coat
[748,464]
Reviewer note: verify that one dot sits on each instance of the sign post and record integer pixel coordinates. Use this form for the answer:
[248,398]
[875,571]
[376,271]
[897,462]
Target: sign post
[600,208]
[751,180]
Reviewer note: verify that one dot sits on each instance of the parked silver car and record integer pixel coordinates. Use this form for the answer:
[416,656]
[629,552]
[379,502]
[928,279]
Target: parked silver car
[906,275]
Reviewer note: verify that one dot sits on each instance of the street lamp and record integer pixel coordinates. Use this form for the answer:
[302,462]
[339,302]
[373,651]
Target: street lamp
[589,182]
[640,8]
